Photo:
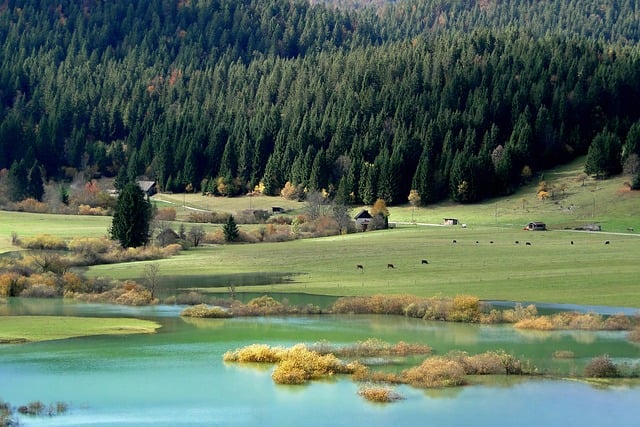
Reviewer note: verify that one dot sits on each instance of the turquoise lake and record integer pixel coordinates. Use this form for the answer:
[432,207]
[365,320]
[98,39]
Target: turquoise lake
[177,377]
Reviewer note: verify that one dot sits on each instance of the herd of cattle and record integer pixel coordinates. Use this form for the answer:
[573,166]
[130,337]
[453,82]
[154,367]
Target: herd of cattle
[453,242]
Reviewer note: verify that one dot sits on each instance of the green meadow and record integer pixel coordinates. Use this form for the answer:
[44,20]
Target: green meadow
[550,269]
[37,328]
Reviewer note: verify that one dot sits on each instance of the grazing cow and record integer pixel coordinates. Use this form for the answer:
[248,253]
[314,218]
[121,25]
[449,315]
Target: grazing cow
[360,267]
[477,242]
[606,242]
[491,241]
[517,242]
[391,266]
[572,242]
[453,242]
[424,261]
[527,243]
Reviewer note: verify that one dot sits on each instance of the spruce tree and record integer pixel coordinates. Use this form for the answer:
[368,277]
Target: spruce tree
[230,230]
[132,217]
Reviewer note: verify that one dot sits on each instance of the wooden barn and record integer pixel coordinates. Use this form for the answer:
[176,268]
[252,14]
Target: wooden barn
[363,218]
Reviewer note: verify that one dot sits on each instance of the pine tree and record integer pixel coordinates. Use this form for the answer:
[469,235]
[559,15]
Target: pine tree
[230,230]
[132,217]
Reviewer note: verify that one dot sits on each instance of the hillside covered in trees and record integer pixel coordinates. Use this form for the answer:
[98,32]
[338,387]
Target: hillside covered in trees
[366,99]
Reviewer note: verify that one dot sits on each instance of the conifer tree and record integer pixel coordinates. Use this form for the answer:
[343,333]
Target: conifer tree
[230,230]
[132,217]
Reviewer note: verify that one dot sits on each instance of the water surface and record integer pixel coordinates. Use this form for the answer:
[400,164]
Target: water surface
[177,378]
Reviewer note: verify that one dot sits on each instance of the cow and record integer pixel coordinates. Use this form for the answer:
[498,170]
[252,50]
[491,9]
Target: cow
[453,242]
[572,242]
[517,242]
[391,266]
[606,242]
[360,267]
[527,243]
[424,261]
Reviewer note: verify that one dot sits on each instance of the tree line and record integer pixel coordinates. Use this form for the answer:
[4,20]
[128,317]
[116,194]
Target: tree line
[367,100]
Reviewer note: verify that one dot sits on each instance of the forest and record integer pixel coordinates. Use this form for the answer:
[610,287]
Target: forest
[367,100]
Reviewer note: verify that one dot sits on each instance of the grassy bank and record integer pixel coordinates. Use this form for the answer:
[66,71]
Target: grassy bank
[19,329]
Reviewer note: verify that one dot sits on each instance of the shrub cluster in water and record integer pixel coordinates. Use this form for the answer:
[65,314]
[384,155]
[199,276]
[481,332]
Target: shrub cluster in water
[35,408]
[299,364]
[260,306]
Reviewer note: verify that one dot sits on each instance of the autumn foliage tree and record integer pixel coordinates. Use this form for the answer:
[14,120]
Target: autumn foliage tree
[380,214]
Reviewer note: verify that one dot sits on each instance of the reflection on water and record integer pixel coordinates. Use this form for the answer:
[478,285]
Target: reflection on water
[177,376]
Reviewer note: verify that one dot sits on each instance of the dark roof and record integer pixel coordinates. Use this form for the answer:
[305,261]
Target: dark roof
[363,214]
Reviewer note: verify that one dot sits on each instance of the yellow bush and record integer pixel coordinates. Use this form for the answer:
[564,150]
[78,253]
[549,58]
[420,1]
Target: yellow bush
[618,322]
[255,353]
[375,393]
[435,372]
[586,321]
[205,311]
[465,308]
[519,313]
[299,365]
[44,241]
[373,348]
[91,245]
[542,323]
[488,363]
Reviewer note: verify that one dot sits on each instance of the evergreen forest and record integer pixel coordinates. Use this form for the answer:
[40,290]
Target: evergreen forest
[368,100]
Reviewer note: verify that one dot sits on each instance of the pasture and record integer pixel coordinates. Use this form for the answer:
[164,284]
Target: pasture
[550,269]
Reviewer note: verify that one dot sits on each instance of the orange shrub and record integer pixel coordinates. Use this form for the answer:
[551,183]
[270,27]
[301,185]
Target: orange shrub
[71,282]
[32,205]
[7,283]
[89,210]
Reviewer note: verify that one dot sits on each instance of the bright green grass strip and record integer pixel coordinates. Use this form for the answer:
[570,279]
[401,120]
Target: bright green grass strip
[42,328]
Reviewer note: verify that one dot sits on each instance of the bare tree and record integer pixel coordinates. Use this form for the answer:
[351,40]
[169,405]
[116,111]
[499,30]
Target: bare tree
[196,234]
[316,204]
[151,277]
[342,217]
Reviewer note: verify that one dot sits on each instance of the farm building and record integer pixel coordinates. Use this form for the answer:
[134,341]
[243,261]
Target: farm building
[363,218]
[536,226]
[450,221]
[149,187]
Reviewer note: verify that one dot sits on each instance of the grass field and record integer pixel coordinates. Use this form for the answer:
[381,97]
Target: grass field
[39,328]
[551,269]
